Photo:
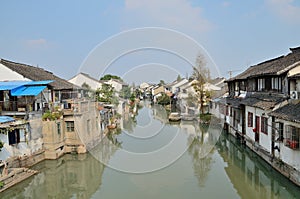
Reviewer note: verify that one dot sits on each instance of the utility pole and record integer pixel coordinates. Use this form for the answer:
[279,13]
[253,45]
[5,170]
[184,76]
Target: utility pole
[230,73]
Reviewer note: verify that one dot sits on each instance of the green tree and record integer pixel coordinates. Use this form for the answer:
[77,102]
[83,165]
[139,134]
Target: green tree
[161,82]
[86,86]
[164,99]
[88,91]
[110,76]
[201,74]
[125,92]
[178,78]
[105,94]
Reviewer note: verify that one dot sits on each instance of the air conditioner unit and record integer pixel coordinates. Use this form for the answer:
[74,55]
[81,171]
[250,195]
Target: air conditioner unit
[294,95]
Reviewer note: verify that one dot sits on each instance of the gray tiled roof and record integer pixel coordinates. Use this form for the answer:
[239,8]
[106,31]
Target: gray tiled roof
[234,102]
[38,74]
[289,112]
[265,101]
[271,67]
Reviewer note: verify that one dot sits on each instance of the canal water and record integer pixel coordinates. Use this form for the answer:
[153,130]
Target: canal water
[190,169]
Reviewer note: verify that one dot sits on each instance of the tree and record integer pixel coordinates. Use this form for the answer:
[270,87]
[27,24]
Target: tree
[178,78]
[161,82]
[105,94]
[125,92]
[88,91]
[163,99]
[109,77]
[201,74]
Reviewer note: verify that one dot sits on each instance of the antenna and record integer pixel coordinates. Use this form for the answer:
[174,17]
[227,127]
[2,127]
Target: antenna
[231,71]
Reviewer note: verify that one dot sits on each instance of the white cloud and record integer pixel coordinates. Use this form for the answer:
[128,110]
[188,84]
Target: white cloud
[225,4]
[36,43]
[175,14]
[285,10]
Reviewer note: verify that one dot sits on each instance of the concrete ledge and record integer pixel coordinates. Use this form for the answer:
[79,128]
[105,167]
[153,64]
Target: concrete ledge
[14,176]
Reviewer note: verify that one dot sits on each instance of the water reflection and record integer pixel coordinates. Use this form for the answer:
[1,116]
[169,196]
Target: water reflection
[72,176]
[226,170]
[201,165]
[251,176]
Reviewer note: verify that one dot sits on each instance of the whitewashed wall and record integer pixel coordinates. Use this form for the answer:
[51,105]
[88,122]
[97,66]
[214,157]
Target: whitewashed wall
[8,75]
[288,155]
[80,79]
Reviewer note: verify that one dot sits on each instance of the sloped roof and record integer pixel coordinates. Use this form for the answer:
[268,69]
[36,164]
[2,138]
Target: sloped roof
[234,102]
[274,66]
[265,101]
[289,112]
[38,74]
[86,75]
[217,80]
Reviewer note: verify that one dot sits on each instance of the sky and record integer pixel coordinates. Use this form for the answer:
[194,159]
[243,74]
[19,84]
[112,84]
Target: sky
[63,36]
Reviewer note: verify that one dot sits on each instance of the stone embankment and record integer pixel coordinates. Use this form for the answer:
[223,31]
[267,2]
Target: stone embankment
[12,176]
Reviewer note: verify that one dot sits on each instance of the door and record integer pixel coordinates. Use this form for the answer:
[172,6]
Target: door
[257,119]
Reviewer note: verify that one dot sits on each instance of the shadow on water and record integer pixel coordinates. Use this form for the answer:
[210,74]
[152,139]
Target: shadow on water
[250,175]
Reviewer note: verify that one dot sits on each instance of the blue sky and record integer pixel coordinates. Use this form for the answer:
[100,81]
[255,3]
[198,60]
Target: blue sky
[59,35]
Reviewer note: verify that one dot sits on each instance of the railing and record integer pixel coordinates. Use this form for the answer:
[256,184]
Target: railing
[11,106]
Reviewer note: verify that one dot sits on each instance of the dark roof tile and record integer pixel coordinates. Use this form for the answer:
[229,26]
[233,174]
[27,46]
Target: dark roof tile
[38,74]
[274,66]
[289,112]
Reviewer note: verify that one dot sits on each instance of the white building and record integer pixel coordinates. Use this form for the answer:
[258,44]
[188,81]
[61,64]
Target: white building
[83,78]
[117,84]
[287,133]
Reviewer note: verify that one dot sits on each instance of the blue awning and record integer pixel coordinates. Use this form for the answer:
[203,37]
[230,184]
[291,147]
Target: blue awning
[43,82]
[10,85]
[4,119]
[27,90]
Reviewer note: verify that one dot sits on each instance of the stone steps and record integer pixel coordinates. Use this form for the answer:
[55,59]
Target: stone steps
[15,176]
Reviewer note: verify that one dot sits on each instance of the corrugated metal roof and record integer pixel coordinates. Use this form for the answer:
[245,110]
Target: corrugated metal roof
[10,85]
[4,119]
[44,82]
[27,90]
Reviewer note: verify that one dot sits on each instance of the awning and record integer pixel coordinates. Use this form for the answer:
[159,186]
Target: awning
[27,90]
[10,85]
[4,119]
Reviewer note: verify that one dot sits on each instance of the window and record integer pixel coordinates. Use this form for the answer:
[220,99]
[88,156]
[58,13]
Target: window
[261,84]
[236,86]
[264,125]
[292,136]
[250,119]
[14,137]
[70,126]
[58,127]
[280,131]
[242,86]
[88,125]
[276,83]
[97,123]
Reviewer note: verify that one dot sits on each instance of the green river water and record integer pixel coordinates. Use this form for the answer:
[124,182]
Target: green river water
[228,170]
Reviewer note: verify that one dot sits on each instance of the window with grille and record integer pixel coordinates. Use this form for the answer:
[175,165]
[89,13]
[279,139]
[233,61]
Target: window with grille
[291,136]
[70,126]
